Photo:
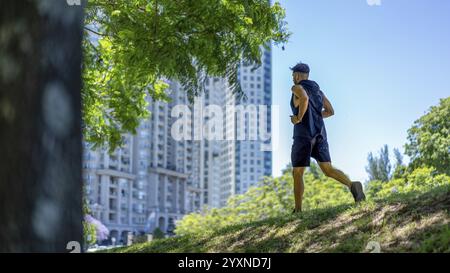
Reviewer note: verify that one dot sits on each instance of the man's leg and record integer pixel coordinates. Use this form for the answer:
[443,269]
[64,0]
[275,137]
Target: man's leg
[299,187]
[337,174]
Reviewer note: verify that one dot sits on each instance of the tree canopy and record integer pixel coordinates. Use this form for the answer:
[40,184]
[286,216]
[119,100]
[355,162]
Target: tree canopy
[379,167]
[429,138]
[131,47]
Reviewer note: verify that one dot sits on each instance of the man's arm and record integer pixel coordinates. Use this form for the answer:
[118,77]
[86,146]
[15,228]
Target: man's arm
[302,103]
[328,110]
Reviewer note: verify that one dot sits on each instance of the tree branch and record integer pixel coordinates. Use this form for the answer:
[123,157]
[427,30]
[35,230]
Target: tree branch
[95,32]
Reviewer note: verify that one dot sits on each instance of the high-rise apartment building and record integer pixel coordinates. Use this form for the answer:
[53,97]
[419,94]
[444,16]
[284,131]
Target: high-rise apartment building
[157,177]
[147,183]
[248,158]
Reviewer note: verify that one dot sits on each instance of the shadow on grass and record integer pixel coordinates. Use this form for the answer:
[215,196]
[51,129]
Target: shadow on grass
[413,222]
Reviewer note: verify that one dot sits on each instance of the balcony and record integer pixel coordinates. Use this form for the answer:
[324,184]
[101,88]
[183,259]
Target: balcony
[112,192]
[112,207]
[112,217]
[113,181]
[123,194]
[137,209]
[125,160]
[172,167]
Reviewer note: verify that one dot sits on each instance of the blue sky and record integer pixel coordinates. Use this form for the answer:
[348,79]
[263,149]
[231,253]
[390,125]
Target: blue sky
[382,67]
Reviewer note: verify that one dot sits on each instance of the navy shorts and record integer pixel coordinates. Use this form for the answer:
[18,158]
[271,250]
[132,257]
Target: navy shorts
[304,148]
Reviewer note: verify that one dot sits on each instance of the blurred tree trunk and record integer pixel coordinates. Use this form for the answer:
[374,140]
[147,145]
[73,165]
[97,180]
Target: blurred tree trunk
[40,125]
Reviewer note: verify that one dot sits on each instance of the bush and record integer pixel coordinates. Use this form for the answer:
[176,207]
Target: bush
[89,233]
[419,180]
[138,239]
[158,234]
[94,230]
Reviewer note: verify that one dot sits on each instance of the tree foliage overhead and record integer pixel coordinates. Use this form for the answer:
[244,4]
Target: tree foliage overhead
[429,138]
[132,46]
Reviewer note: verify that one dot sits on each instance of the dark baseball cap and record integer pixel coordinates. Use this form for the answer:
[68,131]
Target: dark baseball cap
[300,67]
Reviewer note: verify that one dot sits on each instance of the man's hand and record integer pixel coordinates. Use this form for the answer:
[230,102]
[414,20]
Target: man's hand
[328,110]
[295,120]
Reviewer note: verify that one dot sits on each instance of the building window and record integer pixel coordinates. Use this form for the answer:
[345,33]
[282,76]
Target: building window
[112,217]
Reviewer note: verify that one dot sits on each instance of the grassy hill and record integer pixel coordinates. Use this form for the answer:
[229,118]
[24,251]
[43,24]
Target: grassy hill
[413,222]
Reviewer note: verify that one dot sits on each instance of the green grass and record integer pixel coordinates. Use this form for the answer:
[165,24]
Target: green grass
[413,222]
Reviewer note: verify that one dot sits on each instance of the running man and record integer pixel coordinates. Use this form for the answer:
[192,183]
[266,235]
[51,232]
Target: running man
[309,107]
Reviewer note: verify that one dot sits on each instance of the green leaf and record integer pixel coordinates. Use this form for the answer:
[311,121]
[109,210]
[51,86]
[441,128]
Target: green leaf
[115,13]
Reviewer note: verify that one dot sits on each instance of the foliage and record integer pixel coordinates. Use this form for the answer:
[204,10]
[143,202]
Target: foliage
[429,139]
[93,229]
[101,231]
[132,46]
[399,168]
[89,233]
[139,239]
[419,181]
[158,234]
[379,167]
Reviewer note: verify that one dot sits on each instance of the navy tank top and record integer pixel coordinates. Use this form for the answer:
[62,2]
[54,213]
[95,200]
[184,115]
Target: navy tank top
[312,123]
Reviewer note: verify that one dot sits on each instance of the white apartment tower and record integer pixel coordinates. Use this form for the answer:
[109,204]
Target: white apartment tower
[147,183]
[245,162]
[154,179]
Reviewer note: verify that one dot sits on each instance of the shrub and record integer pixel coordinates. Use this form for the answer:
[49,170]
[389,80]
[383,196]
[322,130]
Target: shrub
[158,234]
[419,180]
